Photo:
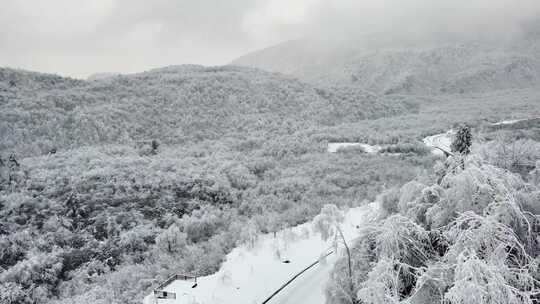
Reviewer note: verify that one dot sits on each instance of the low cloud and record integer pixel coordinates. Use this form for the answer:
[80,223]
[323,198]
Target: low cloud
[458,18]
[79,37]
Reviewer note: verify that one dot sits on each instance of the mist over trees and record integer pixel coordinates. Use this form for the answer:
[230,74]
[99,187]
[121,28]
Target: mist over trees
[426,60]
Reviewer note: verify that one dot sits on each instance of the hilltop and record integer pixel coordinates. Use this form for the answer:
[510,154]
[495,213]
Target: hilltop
[177,104]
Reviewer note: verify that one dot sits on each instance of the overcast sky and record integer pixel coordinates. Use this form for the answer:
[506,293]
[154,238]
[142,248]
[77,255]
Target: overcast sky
[81,37]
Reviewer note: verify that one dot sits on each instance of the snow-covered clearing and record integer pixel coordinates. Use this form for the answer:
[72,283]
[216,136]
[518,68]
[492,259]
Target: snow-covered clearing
[334,147]
[251,273]
[512,121]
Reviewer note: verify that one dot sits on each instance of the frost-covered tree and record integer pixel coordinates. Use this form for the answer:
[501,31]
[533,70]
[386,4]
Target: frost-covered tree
[11,292]
[172,240]
[327,223]
[518,156]
[469,237]
[534,175]
[247,232]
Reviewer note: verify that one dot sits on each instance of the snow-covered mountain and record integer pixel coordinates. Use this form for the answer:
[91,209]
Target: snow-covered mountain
[419,66]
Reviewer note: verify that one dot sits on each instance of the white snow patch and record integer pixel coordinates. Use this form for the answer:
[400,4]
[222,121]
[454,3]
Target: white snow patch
[507,122]
[512,121]
[250,275]
[334,147]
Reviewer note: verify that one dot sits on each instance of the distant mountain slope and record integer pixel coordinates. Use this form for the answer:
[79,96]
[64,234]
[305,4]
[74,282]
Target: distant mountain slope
[97,76]
[388,67]
[176,104]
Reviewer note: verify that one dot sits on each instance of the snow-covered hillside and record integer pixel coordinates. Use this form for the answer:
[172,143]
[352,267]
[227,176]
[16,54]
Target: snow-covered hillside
[172,104]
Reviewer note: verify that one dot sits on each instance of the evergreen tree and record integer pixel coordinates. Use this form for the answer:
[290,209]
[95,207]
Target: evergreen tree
[462,141]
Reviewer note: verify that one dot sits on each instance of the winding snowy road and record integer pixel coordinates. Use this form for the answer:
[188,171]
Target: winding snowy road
[439,142]
[443,141]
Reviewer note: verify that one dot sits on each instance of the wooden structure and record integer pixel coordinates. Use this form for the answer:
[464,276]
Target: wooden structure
[160,293]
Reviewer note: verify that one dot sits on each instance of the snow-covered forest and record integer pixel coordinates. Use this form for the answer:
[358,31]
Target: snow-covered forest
[466,233]
[412,164]
[99,192]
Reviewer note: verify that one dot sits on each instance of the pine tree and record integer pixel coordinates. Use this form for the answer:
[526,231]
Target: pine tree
[462,141]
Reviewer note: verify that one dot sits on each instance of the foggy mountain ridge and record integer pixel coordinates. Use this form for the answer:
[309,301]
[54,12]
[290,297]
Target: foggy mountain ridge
[407,66]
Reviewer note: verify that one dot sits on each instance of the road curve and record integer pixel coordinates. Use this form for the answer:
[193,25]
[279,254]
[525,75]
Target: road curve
[439,142]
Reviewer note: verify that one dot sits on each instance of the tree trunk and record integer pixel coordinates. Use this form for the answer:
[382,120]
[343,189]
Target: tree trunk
[351,284]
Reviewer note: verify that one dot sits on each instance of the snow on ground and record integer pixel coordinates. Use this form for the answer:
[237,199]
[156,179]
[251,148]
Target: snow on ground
[512,121]
[507,122]
[309,288]
[251,273]
[334,147]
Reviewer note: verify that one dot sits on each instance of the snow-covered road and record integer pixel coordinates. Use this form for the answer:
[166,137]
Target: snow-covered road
[444,140]
[439,141]
[252,273]
[308,288]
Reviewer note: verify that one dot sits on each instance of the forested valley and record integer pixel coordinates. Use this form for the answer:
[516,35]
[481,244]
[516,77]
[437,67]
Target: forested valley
[105,183]
[109,186]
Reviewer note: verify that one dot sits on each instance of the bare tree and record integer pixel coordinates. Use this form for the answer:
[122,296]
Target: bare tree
[327,223]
